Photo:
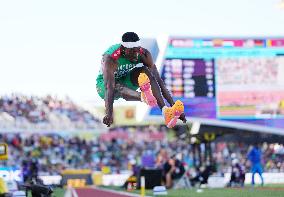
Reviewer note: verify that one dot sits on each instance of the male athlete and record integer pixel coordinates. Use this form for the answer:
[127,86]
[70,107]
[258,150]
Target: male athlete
[255,156]
[119,77]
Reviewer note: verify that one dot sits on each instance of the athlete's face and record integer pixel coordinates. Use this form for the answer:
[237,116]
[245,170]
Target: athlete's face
[132,54]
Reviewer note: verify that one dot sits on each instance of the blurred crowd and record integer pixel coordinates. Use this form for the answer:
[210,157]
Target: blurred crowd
[33,112]
[228,153]
[125,148]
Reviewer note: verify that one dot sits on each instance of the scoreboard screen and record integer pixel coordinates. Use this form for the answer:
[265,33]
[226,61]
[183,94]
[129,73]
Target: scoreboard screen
[240,80]
[189,78]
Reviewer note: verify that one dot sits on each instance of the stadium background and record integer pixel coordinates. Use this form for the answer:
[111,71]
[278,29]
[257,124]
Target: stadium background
[229,75]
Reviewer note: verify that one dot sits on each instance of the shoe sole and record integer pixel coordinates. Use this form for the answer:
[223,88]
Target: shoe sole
[178,108]
[145,87]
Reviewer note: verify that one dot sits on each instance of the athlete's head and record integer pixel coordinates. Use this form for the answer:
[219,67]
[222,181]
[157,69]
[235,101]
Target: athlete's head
[130,46]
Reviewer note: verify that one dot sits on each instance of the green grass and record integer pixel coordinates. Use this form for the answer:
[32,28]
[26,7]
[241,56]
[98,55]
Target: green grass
[268,191]
[58,192]
[226,193]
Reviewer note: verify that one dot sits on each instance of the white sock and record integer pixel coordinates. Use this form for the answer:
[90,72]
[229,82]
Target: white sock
[163,109]
[143,99]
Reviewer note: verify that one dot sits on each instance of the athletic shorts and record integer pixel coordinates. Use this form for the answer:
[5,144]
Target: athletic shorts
[125,81]
[256,168]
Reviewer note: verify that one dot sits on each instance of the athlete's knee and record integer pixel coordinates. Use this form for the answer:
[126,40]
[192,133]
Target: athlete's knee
[118,86]
[119,89]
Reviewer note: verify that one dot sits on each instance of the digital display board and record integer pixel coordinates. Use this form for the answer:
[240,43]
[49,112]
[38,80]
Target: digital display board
[189,78]
[240,80]
[250,87]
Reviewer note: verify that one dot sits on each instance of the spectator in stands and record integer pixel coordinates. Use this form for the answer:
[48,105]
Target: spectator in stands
[202,175]
[237,174]
[173,170]
[148,159]
[254,156]
[162,158]
[25,170]
[44,112]
[55,153]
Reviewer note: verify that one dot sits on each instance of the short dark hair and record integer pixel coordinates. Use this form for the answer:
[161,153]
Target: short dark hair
[130,37]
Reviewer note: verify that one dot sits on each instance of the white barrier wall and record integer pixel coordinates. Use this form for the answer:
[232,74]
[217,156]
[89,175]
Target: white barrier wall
[213,181]
[51,180]
[269,178]
[115,179]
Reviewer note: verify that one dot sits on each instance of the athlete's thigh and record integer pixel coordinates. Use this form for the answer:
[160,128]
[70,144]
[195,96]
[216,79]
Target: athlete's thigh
[259,169]
[127,82]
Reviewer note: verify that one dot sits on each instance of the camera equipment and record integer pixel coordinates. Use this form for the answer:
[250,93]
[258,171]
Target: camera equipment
[38,189]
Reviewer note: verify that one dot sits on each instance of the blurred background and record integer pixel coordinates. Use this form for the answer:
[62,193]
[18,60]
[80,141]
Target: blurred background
[223,59]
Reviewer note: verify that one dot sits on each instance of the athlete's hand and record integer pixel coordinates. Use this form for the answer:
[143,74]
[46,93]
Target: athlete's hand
[108,120]
[182,118]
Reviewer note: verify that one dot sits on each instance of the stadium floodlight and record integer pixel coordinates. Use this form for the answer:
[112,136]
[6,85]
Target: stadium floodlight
[195,128]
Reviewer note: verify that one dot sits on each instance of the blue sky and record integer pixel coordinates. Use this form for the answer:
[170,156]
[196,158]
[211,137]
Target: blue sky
[55,46]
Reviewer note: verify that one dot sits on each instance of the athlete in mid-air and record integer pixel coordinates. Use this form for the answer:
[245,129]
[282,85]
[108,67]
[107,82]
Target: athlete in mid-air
[120,77]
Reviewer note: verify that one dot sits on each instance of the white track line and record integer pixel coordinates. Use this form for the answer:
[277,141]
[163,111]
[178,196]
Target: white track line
[70,192]
[74,193]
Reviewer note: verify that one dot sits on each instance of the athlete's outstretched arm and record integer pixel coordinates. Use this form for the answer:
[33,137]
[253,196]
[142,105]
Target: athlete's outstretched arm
[147,60]
[109,66]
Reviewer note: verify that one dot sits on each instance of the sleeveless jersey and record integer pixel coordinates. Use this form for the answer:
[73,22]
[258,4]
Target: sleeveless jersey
[124,65]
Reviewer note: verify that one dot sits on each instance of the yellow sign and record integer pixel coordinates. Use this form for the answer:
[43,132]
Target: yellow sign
[76,171]
[122,115]
[75,183]
[281,104]
[97,178]
[105,170]
[77,178]
[125,115]
[3,151]
[3,186]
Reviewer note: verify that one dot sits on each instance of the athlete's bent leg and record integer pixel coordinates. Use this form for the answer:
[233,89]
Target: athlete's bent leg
[126,93]
[261,178]
[154,84]
[143,77]
[146,90]
[252,178]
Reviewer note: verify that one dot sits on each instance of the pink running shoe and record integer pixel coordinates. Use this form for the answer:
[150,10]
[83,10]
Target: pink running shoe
[173,113]
[145,87]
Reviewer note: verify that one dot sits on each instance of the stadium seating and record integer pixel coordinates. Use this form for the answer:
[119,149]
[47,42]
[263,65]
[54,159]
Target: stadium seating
[43,113]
